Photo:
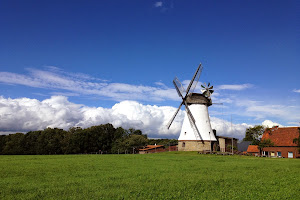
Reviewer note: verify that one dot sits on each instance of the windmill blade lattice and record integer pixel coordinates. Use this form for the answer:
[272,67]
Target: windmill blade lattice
[199,69]
[179,85]
[172,119]
[196,80]
[180,90]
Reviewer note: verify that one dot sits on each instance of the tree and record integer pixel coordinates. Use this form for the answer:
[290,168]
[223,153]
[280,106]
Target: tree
[2,143]
[73,141]
[31,142]
[133,131]
[118,145]
[133,142]
[127,140]
[254,134]
[99,138]
[49,141]
[265,143]
[14,144]
[165,142]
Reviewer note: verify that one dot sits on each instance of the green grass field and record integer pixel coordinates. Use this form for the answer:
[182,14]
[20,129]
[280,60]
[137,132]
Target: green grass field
[171,175]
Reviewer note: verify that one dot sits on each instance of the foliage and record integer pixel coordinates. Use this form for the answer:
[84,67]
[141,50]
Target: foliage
[133,142]
[165,142]
[265,143]
[254,134]
[128,141]
[14,144]
[229,148]
[103,138]
[170,175]
[2,142]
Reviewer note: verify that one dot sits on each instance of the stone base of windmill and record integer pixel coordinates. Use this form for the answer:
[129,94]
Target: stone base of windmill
[194,145]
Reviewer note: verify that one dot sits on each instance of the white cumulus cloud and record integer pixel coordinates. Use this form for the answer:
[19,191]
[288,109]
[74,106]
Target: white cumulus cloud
[270,124]
[235,87]
[295,90]
[24,114]
[226,128]
[158,4]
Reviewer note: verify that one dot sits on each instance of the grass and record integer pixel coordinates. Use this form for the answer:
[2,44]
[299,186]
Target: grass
[170,175]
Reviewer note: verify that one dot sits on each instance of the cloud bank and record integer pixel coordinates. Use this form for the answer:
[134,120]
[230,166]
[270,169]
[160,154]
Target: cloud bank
[24,114]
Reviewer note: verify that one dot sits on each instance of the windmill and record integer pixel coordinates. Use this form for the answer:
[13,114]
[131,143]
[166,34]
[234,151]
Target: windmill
[196,132]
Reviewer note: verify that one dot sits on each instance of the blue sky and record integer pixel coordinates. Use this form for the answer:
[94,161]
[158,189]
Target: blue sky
[101,60]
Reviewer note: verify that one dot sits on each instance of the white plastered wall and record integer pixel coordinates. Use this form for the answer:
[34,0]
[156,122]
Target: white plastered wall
[200,113]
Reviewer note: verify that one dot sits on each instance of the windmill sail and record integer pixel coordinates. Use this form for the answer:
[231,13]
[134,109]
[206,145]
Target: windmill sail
[179,88]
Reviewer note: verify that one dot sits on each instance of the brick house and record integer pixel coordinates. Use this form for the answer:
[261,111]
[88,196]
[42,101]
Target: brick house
[283,142]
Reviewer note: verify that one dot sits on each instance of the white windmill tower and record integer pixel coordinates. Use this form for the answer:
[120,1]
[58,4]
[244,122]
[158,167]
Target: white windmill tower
[196,132]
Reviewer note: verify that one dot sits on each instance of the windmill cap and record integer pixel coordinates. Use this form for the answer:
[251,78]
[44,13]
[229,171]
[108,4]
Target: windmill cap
[197,98]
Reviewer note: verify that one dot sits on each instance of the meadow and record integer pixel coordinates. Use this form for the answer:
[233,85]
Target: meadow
[169,175]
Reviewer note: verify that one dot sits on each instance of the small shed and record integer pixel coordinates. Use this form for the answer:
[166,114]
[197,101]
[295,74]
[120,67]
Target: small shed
[253,149]
[226,143]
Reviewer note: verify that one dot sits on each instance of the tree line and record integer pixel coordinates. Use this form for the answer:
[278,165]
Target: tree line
[96,139]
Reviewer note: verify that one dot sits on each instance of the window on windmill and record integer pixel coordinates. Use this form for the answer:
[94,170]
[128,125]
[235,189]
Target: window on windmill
[183,144]
[184,133]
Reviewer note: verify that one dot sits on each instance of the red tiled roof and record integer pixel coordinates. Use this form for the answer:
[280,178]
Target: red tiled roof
[154,146]
[149,147]
[253,149]
[282,136]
